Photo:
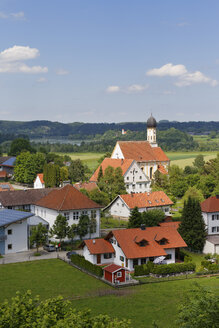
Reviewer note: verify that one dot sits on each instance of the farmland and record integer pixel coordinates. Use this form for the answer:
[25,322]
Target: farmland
[142,304]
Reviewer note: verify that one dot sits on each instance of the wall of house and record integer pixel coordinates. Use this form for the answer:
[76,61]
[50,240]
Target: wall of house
[117,153]
[209,248]
[135,180]
[18,239]
[2,240]
[38,184]
[212,225]
[119,253]
[151,136]
[170,251]
[108,276]
[93,257]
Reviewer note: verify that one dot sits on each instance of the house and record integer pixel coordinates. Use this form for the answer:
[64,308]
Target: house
[135,180]
[89,186]
[71,203]
[5,186]
[147,154]
[122,205]
[3,175]
[15,230]
[210,213]
[7,164]
[115,274]
[22,199]
[130,247]
[211,244]
[39,182]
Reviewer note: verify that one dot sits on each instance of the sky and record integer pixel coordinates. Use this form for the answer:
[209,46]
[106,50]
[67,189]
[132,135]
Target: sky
[109,61]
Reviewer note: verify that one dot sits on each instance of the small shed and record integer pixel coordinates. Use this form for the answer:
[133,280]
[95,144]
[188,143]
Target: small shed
[115,274]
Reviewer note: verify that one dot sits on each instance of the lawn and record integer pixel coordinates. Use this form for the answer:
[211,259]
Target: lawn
[90,159]
[187,158]
[111,223]
[142,304]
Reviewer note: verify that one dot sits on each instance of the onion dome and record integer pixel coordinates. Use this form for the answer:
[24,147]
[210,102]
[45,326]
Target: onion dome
[151,122]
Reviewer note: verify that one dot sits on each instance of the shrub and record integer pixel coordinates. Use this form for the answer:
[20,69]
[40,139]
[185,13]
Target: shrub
[144,269]
[208,256]
[214,267]
[173,268]
[84,264]
[187,259]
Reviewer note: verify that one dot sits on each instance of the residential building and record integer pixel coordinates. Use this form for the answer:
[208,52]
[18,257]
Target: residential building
[122,205]
[210,213]
[7,164]
[15,229]
[5,186]
[134,178]
[39,182]
[130,247]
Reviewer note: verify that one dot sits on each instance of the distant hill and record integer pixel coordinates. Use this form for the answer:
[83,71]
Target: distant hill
[36,129]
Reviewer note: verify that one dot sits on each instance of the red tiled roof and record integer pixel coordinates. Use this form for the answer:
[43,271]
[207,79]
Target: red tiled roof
[113,268]
[123,163]
[162,169]
[5,186]
[86,185]
[210,205]
[156,198]
[67,198]
[142,151]
[40,175]
[100,246]
[174,224]
[3,174]
[127,241]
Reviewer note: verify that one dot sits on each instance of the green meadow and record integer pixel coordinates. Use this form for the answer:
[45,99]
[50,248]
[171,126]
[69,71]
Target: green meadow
[141,304]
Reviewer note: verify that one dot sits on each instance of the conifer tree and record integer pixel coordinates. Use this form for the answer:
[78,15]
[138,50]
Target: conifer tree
[100,173]
[135,218]
[192,228]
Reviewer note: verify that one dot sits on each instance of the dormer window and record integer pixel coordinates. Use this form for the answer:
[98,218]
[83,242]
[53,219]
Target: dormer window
[163,241]
[143,243]
[149,202]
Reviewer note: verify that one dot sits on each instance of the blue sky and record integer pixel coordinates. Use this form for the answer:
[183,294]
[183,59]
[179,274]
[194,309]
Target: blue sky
[109,61]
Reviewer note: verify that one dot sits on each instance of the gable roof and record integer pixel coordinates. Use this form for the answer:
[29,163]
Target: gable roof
[141,200]
[40,176]
[210,205]
[10,216]
[4,159]
[9,162]
[127,241]
[142,151]
[162,169]
[114,162]
[98,246]
[89,186]
[22,197]
[67,198]
[114,268]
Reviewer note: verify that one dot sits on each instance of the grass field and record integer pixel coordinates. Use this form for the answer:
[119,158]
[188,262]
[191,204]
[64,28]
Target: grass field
[142,304]
[90,159]
[187,158]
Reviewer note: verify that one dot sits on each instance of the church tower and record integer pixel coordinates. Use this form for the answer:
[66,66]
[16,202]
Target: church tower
[151,131]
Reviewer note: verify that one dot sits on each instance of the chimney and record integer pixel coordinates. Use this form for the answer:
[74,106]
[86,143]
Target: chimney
[143,227]
[94,241]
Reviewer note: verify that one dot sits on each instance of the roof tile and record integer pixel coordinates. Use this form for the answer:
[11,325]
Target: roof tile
[210,204]
[141,200]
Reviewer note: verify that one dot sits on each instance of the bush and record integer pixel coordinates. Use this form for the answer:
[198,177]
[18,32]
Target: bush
[144,269]
[214,267]
[187,259]
[208,256]
[173,268]
[84,264]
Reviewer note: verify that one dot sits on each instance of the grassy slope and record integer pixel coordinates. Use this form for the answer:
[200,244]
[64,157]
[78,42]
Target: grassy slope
[186,158]
[90,159]
[142,304]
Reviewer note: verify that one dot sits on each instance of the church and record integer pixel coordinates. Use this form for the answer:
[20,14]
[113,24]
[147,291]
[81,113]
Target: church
[147,154]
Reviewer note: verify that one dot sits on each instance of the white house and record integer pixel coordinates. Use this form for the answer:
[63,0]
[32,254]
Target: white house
[15,227]
[71,203]
[134,178]
[39,182]
[147,154]
[122,205]
[130,247]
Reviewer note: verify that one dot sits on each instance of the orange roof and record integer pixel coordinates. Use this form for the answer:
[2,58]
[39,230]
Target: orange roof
[141,200]
[5,186]
[127,241]
[174,224]
[113,268]
[98,246]
[65,199]
[142,151]
[113,162]
[162,169]
[86,185]
[40,175]
[210,205]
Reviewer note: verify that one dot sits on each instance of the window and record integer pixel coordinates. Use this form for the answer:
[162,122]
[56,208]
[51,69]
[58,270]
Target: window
[135,262]
[151,172]
[117,204]
[93,214]
[140,177]
[75,215]
[84,212]
[127,178]
[121,258]
[143,261]
[9,246]
[119,274]
[107,255]
[213,217]
[143,243]
[114,241]
[140,185]
[9,231]
[166,209]
[163,241]
[151,259]
[41,213]
[217,229]
[118,245]
[168,257]
[44,213]
[123,205]
[213,229]
[217,216]
[66,215]
[127,186]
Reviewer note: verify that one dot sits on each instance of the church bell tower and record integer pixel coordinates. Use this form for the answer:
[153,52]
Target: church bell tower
[152,131]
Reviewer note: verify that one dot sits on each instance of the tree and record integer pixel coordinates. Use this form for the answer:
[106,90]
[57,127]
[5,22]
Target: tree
[26,311]
[192,228]
[193,192]
[51,175]
[20,145]
[38,235]
[100,197]
[199,162]
[83,226]
[63,173]
[100,173]
[76,171]
[112,183]
[72,231]
[60,227]
[199,309]
[135,218]
[153,217]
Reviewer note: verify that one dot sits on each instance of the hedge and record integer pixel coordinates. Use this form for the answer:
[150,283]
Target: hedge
[210,266]
[162,269]
[86,265]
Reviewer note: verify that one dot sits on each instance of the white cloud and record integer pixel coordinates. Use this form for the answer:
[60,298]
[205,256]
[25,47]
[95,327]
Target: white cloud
[62,71]
[135,88]
[17,16]
[113,89]
[3,15]
[185,78]
[11,60]
[41,80]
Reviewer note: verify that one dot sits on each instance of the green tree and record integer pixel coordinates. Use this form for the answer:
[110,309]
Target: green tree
[192,227]
[20,145]
[83,226]
[26,311]
[199,309]
[63,173]
[100,197]
[38,235]
[112,182]
[76,171]
[72,232]
[135,218]
[100,173]
[59,228]
[199,162]
[153,217]
[193,192]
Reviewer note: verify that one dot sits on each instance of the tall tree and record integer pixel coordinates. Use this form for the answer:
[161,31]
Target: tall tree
[20,145]
[192,228]
[83,226]
[38,235]
[59,228]
[100,173]
[199,162]
[153,217]
[135,218]
[76,171]
[72,232]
